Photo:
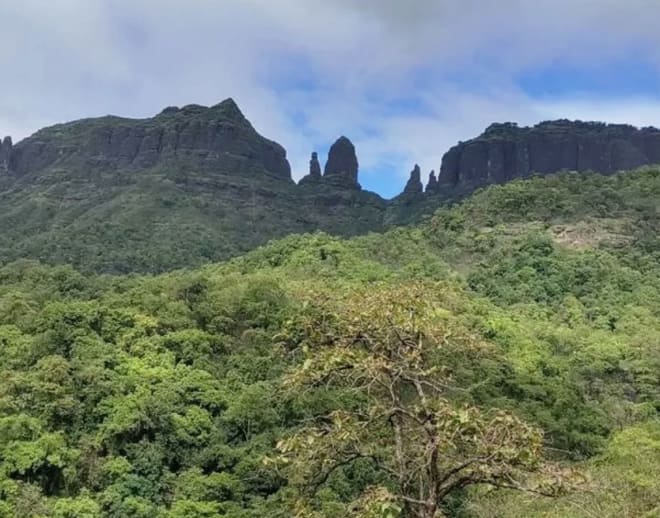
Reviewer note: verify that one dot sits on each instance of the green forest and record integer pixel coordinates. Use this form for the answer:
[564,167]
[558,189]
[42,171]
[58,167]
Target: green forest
[499,359]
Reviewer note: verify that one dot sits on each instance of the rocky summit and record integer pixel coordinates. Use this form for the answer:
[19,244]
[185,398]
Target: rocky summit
[432,184]
[414,185]
[218,139]
[198,184]
[342,165]
[506,151]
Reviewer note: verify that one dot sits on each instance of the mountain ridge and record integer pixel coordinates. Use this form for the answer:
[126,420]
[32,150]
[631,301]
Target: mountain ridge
[199,184]
[484,159]
[505,151]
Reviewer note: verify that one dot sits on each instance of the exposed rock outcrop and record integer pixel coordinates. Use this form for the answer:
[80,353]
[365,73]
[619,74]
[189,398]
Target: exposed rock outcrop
[315,166]
[432,185]
[414,185]
[6,148]
[314,175]
[341,169]
[506,151]
[218,139]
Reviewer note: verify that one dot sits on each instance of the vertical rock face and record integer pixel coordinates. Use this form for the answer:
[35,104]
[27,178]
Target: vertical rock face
[315,166]
[6,148]
[217,139]
[505,151]
[432,185]
[341,168]
[414,185]
[314,175]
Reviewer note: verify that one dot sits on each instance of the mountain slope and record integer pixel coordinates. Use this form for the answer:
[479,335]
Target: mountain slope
[189,186]
[198,184]
[165,395]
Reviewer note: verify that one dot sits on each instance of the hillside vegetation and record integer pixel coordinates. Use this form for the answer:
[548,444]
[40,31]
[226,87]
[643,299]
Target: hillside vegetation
[286,382]
[187,187]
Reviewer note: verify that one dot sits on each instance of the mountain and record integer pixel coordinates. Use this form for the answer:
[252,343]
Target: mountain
[199,184]
[506,151]
[188,186]
[219,140]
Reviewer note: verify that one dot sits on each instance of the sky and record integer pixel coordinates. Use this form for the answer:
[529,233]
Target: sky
[403,79]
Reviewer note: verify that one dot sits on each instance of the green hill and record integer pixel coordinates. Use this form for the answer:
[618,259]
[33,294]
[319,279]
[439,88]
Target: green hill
[537,303]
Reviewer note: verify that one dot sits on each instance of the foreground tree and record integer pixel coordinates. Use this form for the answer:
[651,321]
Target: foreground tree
[410,415]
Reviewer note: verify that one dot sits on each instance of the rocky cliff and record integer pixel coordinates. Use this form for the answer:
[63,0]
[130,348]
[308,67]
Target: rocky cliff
[414,185]
[198,184]
[506,151]
[6,149]
[218,139]
[341,169]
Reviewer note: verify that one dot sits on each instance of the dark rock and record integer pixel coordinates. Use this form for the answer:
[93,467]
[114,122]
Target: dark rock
[341,169]
[314,175]
[219,140]
[432,185]
[506,151]
[6,148]
[414,185]
[315,166]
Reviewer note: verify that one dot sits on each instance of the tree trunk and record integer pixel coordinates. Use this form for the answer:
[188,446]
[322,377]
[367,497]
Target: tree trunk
[429,512]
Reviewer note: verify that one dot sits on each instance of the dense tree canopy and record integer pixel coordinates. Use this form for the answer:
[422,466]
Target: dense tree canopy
[410,416]
[288,380]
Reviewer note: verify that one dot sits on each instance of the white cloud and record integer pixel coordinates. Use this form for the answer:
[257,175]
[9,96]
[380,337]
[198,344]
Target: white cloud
[456,58]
